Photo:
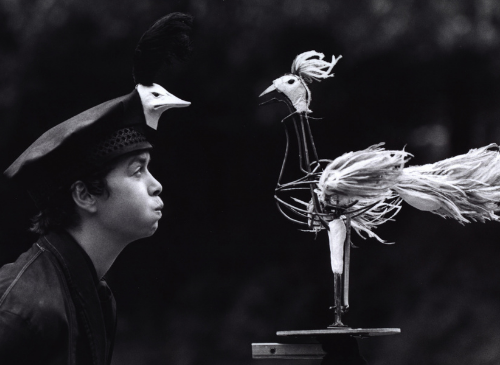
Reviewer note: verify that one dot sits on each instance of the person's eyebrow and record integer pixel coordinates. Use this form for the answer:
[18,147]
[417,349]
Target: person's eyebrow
[143,158]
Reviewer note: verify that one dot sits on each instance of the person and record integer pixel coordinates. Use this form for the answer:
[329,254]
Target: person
[89,177]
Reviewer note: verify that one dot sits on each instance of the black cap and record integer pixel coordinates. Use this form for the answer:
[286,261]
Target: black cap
[80,144]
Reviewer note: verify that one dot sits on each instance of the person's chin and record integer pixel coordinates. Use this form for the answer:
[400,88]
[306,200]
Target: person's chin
[150,230]
[154,228]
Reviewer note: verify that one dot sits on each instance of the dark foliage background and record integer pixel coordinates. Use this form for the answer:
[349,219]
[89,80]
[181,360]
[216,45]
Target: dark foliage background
[225,269]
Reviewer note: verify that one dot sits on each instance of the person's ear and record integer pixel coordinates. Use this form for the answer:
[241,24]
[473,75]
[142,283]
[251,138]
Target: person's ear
[82,198]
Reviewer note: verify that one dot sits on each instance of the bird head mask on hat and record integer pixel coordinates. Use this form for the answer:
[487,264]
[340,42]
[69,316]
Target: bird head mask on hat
[113,128]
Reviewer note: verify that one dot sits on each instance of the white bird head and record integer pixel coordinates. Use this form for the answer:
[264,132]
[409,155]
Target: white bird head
[155,100]
[306,67]
[294,88]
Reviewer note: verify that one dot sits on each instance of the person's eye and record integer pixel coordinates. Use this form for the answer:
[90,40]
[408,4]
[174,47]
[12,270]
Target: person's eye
[139,170]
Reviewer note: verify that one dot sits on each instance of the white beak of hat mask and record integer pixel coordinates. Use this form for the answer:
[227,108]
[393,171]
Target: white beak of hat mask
[155,100]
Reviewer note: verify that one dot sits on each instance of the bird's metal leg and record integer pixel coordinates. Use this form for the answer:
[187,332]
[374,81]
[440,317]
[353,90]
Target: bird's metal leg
[337,307]
[347,262]
[341,282]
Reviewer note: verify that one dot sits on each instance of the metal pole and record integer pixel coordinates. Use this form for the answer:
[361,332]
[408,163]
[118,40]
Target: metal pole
[347,262]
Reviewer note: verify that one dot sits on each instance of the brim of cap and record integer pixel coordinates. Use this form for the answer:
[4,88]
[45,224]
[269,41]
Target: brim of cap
[145,145]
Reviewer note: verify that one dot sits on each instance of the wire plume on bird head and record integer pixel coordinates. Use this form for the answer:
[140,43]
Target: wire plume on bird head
[168,39]
[306,67]
[310,68]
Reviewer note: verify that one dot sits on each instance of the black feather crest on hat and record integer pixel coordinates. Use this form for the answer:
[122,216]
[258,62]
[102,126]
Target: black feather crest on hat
[167,39]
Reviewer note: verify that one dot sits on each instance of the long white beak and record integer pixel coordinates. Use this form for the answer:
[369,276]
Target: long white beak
[172,101]
[268,90]
[155,100]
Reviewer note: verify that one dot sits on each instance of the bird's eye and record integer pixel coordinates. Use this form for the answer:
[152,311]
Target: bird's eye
[155,94]
[291,81]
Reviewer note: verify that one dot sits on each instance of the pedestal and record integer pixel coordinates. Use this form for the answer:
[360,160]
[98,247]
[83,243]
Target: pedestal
[335,346]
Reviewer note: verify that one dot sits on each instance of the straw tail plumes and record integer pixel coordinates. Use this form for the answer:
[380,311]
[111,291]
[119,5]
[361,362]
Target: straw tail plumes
[166,40]
[465,187]
[369,173]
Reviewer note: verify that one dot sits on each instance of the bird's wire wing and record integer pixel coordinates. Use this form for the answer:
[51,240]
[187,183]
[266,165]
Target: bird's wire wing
[368,173]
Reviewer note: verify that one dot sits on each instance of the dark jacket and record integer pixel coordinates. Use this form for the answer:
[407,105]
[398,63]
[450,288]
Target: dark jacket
[53,308]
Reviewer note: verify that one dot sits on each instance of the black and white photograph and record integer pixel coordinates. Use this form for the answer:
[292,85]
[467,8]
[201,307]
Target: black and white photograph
[250,182]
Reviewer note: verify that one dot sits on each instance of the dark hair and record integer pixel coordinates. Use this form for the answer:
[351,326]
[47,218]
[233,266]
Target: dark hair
[60,212]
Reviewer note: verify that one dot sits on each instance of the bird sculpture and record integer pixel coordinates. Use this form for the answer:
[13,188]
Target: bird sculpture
[364,198]
[366,188]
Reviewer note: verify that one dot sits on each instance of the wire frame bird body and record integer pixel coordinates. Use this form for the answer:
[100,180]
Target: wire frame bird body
[352,190]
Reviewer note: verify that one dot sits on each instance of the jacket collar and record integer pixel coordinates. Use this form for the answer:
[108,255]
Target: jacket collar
[82,281]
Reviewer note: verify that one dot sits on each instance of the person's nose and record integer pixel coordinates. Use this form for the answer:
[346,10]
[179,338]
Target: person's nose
[155,187]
